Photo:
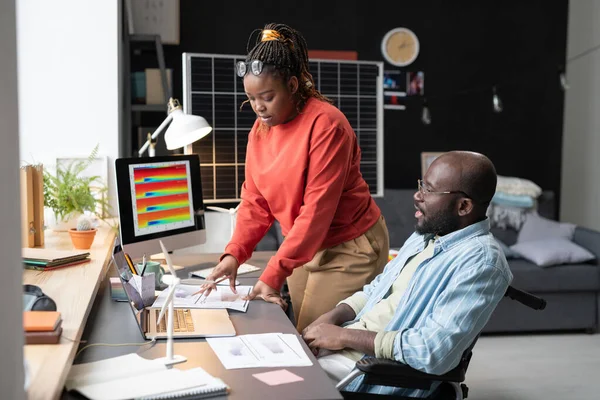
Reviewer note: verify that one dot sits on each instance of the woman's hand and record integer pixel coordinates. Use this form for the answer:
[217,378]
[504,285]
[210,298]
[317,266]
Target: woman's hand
[267,293]
[226,268]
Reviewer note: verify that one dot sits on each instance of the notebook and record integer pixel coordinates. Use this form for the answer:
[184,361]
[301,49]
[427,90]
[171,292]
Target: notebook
[44,337]
[46,258]
[40,321]
[133,377]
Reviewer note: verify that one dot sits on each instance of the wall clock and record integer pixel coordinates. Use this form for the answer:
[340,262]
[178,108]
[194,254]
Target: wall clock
[400,47]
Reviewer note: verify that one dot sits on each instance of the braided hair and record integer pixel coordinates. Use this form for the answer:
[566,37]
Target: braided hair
[286,55]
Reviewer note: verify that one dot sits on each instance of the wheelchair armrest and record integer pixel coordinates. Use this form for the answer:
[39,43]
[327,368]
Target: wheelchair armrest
[393,373]
[525,298]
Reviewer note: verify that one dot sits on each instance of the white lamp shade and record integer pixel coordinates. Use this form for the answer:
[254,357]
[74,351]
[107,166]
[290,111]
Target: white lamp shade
[185,129]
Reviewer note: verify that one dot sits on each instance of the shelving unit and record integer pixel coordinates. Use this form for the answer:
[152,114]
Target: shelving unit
[132,117]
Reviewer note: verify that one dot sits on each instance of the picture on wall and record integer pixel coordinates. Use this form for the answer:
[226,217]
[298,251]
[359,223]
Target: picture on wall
[394,89]
[392,80]
[415,83]
[392,101]
[426,159]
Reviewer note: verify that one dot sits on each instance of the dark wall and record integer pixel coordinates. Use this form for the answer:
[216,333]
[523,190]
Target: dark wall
[466,48]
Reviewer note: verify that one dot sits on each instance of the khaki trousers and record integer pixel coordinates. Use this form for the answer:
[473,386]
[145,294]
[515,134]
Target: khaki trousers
[336,273]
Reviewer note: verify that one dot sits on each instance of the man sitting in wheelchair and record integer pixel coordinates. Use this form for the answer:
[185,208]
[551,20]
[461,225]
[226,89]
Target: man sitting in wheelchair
[434,298]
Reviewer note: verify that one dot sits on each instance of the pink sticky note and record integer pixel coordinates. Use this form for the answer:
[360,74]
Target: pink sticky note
[278,377]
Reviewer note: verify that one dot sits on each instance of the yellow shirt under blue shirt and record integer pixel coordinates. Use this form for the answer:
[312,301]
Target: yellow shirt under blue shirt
[380,315]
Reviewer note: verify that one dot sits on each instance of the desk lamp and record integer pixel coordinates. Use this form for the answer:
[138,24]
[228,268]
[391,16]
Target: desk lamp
[184,130]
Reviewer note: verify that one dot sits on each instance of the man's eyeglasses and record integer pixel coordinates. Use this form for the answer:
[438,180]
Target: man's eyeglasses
[242,67]
[423,190]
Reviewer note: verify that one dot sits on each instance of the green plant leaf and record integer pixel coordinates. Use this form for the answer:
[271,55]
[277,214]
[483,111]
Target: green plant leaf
[68,192]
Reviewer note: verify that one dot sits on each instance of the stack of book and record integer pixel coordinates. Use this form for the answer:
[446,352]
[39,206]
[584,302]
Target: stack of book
[45,259]
[42,327]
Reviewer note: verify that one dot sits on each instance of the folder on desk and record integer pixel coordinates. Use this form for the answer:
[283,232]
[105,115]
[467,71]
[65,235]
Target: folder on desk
[47,259]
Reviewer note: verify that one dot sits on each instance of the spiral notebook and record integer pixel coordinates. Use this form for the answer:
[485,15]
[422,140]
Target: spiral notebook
[133,377]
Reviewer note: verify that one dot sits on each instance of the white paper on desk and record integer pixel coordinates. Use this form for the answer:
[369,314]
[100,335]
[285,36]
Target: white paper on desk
[132,376]
[261,350]
[221,298]
[242,269]
[110,369]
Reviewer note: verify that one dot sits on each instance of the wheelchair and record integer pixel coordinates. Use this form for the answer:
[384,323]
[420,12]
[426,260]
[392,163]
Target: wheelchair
[392,373]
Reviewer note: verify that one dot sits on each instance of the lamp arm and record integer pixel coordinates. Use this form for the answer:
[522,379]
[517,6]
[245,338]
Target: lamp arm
[155,134]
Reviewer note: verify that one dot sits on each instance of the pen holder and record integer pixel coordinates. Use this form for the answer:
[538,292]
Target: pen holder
[155,268]
[147,284]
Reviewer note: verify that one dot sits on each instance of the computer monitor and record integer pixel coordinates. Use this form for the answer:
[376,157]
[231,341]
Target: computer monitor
[160,198]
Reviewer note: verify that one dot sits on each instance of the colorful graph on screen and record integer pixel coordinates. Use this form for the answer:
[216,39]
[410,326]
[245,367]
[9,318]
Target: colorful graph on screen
[162,197]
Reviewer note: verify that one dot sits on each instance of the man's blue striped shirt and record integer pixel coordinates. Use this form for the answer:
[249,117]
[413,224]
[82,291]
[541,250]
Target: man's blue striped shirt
[448,301]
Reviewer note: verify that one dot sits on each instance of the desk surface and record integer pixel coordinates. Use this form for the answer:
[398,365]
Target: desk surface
[113,322]
[74,290]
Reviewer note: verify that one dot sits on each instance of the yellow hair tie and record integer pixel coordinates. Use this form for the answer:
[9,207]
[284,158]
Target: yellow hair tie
[269,34]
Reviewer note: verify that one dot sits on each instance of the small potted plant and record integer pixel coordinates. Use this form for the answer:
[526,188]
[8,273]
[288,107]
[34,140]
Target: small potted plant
[83,236]
[69,193]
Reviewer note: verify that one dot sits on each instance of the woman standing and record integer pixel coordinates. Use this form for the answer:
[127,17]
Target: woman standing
[303,169]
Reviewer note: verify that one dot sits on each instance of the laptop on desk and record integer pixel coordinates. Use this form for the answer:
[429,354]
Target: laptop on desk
[187,323]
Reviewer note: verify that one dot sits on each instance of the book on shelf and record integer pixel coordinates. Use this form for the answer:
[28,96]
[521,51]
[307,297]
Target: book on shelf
[32,205]
[133,377]
[27,212]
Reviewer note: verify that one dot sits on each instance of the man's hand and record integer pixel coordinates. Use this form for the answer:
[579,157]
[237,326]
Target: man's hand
[340,314]
[324,336]
[327,318]
[267,293]
[226,268]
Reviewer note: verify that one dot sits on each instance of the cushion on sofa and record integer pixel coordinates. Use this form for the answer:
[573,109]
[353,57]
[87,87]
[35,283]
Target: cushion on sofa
[588,239]
[561,278]
[552,251]
[536,227]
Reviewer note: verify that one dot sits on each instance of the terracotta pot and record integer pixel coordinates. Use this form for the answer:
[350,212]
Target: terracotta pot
[82,240]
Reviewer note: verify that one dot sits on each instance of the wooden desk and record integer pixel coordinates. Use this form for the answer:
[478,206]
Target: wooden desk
[113,322]
[74,290]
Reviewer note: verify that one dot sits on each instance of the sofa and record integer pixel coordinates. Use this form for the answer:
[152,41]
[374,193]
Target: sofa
[572,291]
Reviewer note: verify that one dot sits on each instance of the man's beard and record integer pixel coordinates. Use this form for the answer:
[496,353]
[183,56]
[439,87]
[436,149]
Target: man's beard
[440,223]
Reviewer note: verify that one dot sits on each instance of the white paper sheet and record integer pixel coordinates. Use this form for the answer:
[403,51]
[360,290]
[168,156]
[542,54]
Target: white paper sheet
[261,350]
[242,269]
[221,298]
